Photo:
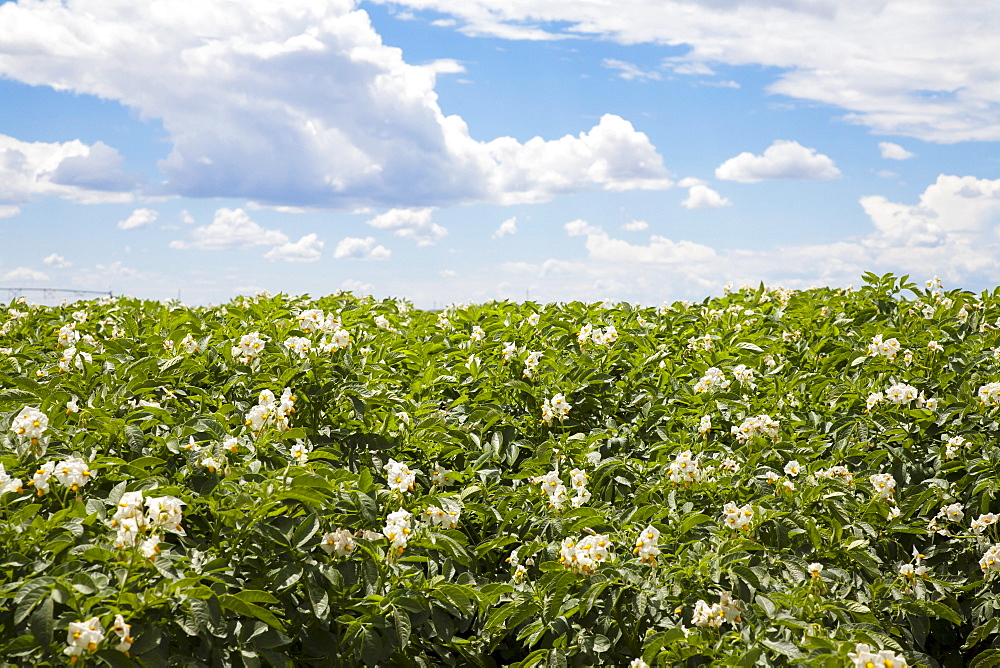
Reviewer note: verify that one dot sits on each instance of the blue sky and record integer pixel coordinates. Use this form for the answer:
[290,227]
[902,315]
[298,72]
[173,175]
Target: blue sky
[465,150]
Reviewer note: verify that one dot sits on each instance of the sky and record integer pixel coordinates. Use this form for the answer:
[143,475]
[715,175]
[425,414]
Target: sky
[448,151]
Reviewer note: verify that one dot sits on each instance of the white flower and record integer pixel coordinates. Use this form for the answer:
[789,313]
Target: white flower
[383,323]
[211,463]
[647,545]
[397,529]
[737,517]
[989,394]
[299,452]
[744,375]
[165,512]
[638,663]
[901,393]
[189,344]
[792,468]
[249,347]
[399,477]
[980,524]
[705,425]
[310,320]
[73,473]
[8,484]
[762,425]
[953,513]
[441,517]
[873,399]
[30,423]
[531,363]
[299,345]
[934,347]
[340,541]
[84,636]
[884,484]
[713,379]
[442,476]
[815,569]
[123,631]
[532,319]
[150,547]
[477,334]
[990,562]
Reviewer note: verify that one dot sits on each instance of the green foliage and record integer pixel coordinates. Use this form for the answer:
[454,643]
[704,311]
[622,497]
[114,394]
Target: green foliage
[400,504]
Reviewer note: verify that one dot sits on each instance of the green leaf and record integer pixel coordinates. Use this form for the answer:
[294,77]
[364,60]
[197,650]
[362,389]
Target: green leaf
[248,609]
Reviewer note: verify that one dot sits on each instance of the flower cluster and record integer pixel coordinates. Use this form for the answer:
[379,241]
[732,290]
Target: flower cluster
[585,555]
[8,484]
[440,517]
[340,541]
[685,469]
[901,393]
[30,423]
[713,379]
[299,345]
[989,394]
[887,348]
[339,339]
[595,335]
[556,492]
[737,517]
[863,657]
[531,363]
[990,563]
[884,484]
[647,545]
[761,425]
[73,473]
[83,637]
[838,471]
[270,411]
[555,408]
[981,523]
[314,319]
[399,476]
[397,529]
[383,323]
[249,347]
[726,610]
[162,513]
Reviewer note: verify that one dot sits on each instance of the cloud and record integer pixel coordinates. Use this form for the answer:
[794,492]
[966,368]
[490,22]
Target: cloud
[9,211]
[952,231]
[231,228]
[25,274]
[71,170]
[636,226]
[307,249]
[357,287]
[782,160]
[892,151]
[660,250]
[630,72]
[138,218]
[361,249]
[703,197]
[507,228]
[917,68]
[297,103]
[413,224]
[57,261]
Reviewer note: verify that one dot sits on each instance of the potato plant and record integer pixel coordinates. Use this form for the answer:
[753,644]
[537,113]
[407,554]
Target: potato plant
[765,478]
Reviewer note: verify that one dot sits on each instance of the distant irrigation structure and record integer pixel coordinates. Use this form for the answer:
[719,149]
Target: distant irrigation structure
[70,294]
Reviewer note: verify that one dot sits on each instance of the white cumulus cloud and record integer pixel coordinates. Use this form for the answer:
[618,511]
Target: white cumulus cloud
[138,218]
[892,151]
[781,160]
[361,249]
[703,197]
[660,250]
[307,249]
[507,228]
[297,103]
[57,261]
[919,68]
[72,170]
[25,274]
[636,226]
[413,224]
[230,228]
